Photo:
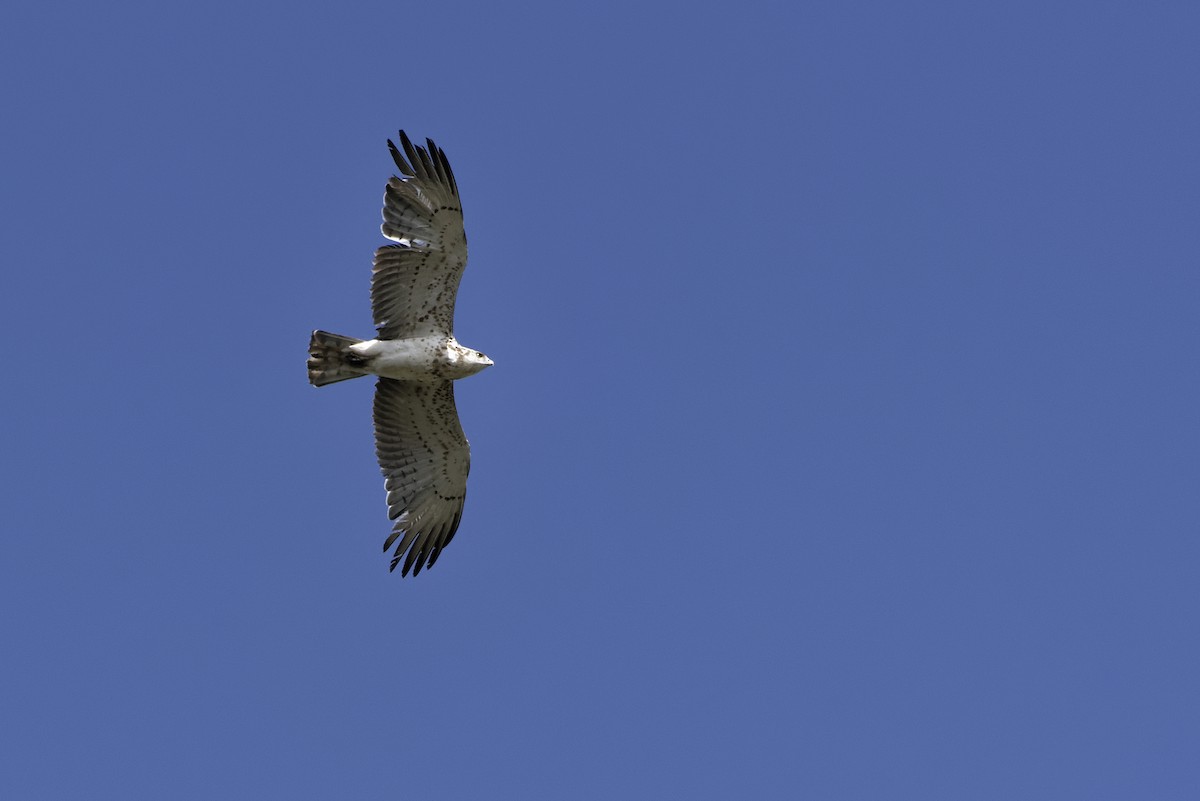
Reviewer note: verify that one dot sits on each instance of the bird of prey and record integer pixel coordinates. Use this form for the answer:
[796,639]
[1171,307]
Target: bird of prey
[418,439]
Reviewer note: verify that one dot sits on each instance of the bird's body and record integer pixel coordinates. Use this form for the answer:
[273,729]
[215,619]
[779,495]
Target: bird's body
[427,358]
[421,448]
[431,358]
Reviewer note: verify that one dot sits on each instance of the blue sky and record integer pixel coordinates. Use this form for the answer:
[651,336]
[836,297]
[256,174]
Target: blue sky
[842,441]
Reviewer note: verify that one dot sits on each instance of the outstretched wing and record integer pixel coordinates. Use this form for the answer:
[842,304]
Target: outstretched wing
[414,283]
[425,459]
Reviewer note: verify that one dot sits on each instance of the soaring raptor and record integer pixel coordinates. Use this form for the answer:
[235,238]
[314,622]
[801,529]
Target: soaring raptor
[418,439]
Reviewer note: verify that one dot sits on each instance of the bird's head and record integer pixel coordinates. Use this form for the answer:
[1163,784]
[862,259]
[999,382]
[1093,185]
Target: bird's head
[467,361]
[478,358]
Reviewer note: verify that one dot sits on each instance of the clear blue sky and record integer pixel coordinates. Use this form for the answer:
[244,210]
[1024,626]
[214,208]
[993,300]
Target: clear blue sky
[842,443]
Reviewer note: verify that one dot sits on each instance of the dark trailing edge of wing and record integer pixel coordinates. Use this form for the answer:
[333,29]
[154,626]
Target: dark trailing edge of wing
[424,164]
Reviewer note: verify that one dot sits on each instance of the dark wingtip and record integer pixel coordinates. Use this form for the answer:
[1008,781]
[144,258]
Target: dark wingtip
[418,162]
[411,151]
[445,162]
[397,157]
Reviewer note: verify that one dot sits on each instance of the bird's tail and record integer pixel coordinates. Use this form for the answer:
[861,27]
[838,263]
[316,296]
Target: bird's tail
[330,359]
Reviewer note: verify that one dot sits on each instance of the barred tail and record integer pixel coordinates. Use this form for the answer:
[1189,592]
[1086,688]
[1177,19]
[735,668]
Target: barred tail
[327,359]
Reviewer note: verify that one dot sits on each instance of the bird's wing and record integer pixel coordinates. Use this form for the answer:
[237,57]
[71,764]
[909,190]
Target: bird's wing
[414,283]
[425,459]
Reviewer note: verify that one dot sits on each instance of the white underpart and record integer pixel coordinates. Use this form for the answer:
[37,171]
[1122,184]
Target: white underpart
[430,358]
